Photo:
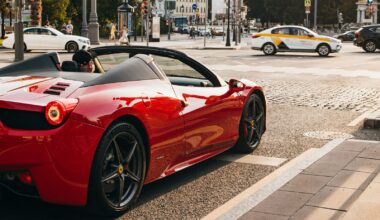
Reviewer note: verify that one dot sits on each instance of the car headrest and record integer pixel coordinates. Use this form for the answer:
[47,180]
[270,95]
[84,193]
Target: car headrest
[70,66]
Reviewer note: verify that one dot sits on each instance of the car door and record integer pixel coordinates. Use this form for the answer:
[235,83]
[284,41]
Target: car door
[48,39]
[282,39]
[32,38]
[377,36]
[211,118]
[303,40]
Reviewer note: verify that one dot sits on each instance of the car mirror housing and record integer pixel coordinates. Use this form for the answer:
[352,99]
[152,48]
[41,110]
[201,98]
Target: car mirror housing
[236,85]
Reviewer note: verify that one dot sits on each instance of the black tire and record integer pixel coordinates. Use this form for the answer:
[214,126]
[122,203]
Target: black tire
[118,171]
[370,46]
[251,126]
[323,50]
[269,49]
[72,47]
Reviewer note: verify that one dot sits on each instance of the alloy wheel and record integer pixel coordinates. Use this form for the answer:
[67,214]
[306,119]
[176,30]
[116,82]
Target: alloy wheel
[122,169]
[254,122]
[370,46]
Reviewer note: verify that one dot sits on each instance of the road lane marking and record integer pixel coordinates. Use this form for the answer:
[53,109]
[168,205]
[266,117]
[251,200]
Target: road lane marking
[359,119]
[253,159]
[255,194]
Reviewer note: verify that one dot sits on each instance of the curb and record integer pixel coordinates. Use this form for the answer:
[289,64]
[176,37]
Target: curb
[372,121]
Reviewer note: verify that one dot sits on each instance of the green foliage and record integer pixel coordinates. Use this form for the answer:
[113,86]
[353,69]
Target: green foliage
[55,11]
[293,12]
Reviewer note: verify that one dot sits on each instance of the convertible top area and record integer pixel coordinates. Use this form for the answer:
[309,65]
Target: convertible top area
[136,68]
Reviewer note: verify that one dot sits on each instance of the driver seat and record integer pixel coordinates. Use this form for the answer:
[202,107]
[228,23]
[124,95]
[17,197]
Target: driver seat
[70,66]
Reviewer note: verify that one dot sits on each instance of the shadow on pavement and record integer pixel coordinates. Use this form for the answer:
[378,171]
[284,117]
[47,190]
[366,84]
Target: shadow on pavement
[15,208]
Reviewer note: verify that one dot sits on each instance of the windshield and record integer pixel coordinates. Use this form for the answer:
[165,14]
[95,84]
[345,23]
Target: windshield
[58,33]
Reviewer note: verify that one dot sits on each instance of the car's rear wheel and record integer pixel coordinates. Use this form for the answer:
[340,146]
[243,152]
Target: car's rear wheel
[72,47]
[269,49]
[118,171]
[323,50]
[251,125]
[370,46]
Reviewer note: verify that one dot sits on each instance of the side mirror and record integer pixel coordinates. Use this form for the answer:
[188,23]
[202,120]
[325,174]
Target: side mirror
[236,85]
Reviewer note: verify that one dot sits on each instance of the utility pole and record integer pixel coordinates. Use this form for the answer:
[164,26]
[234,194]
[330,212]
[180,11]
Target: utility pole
[228,42]
[84,18]
[19,34]
[94,25]
[206,19]
[315,14]
[147,24]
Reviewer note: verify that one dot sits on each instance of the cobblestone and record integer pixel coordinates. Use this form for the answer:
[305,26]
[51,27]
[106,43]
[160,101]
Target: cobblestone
[307,94]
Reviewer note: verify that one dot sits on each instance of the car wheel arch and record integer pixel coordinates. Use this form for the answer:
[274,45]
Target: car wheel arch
[135,121]
[71,41]
[262,97]
[321,44]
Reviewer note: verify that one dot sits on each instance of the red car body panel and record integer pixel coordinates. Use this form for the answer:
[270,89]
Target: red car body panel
[183,126]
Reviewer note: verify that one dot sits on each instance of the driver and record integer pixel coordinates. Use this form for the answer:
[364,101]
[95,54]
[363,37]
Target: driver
[85,61]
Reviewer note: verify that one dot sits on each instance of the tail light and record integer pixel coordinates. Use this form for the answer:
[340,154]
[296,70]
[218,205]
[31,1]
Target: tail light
[255,36]
[57,111]
[357,35]
[25,177]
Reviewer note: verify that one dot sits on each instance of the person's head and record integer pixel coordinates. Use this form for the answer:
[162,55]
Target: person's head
[84,60]
[69,22]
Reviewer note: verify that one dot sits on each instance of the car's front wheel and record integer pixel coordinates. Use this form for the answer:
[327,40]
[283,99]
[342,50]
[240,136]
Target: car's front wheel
[370,46]
[269,49]
[72,47]
[251,125]
[118,171]
[323,50]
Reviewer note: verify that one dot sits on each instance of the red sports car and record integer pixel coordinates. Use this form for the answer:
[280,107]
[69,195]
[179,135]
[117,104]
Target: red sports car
[92,131]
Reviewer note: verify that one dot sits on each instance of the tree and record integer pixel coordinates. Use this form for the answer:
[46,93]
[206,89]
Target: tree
[3,7]
[55,11]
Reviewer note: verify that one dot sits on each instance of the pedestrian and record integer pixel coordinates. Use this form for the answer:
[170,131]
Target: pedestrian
[124,36]
[113,31]
[63,28]
[47,24]
[69,28]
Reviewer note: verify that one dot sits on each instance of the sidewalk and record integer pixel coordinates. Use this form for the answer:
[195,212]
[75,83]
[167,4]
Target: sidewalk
[342,184]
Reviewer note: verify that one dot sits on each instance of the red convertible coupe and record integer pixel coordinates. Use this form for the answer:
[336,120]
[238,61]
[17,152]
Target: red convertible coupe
[92,131]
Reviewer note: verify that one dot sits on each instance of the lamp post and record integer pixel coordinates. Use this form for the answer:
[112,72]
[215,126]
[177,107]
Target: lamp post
[93,27]
[228,42]
[84,18]
[183,20]
[315,14]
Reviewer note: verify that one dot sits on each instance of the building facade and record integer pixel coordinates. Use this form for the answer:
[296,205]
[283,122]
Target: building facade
[184,8]
[367,14]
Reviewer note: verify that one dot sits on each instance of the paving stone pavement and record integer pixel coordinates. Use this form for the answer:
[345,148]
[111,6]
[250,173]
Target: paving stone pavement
[344,184]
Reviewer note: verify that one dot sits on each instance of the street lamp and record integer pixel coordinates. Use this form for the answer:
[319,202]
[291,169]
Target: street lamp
[84,18]
[228,42]
[93,27]
[183,20]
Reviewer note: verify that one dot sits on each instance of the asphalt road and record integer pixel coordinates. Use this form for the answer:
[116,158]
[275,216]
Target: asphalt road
[305,93]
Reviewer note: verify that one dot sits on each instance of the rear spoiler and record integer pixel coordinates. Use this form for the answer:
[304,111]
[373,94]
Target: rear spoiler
[42,63]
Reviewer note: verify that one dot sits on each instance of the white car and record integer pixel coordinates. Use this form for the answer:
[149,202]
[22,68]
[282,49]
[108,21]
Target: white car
[40,38]
[294,39]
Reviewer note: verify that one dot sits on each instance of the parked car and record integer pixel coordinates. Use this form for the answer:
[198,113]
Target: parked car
[347,36]
[202,31]
[219,31]
[95,138]
[40,38]
[294,39]
[184,29]
[368,38]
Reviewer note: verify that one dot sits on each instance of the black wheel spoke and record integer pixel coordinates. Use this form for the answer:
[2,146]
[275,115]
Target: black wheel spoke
[121,189]
[258,118]
[131,176]
[111,176]
[118,155]
[250,135]
[131,152]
